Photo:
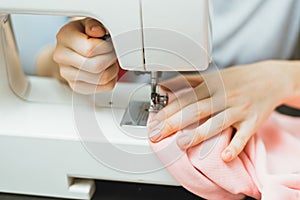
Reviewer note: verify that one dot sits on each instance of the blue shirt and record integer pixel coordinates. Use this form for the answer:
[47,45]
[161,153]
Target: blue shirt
[254,30]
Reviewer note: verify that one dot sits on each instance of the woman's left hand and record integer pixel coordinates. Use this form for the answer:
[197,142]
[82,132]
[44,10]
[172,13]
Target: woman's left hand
[241,97]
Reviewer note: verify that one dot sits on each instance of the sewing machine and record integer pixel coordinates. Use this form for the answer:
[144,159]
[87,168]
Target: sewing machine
[54,142]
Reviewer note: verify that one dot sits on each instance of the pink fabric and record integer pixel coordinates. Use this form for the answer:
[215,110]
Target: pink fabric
[268,168]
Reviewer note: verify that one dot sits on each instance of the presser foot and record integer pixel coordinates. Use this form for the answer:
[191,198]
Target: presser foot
[137,112]
[158,102]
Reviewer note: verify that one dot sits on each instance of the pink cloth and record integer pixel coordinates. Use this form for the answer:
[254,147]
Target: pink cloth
[268,168]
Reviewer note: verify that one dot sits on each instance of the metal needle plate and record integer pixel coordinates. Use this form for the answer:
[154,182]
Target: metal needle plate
[136,114]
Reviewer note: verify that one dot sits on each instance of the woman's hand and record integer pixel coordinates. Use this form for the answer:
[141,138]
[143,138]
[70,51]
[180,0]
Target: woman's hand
[87,62]
[241,97]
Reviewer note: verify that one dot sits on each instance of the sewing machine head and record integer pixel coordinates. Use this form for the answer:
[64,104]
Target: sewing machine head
[148,35]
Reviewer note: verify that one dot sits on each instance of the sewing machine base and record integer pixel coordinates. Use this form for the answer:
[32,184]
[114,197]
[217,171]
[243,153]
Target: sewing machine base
[46,156]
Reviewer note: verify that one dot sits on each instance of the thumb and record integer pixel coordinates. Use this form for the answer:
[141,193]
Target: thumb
[94,28]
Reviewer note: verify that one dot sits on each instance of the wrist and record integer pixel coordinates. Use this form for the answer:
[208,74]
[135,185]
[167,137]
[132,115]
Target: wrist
[291,79]
[296,77]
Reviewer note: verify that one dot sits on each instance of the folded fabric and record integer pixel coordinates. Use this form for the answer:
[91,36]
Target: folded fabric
[268,167]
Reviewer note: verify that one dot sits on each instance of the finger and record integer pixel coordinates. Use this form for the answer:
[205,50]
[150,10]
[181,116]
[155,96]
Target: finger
[208,129]
[187,116]
[181,101]
[98,63]
[93,28]
[66,56]
[73,74]
[72,36]
[95,64]
[109,74]
[87,88]
[238,142]
[181,82]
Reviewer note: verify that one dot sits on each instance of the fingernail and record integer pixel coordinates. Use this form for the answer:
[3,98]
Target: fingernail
[154,135]
[153,124]
[96,28]
[184,141]
[227,155]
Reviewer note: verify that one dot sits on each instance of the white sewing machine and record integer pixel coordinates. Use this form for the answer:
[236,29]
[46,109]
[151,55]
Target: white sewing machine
[56,143]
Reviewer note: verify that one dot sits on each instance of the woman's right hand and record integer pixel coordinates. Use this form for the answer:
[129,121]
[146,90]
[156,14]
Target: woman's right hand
[87,62]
